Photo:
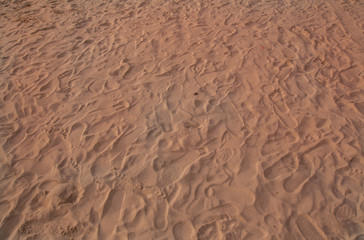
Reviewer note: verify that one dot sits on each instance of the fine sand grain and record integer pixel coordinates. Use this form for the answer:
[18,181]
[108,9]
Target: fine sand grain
[211,120]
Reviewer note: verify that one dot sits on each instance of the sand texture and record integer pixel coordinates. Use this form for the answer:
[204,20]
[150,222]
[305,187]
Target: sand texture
[186,120]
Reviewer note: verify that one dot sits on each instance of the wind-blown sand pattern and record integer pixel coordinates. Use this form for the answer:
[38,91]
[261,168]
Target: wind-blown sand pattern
[221,120]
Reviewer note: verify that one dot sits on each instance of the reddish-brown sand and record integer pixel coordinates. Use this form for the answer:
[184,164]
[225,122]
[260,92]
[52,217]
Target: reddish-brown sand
[221,120]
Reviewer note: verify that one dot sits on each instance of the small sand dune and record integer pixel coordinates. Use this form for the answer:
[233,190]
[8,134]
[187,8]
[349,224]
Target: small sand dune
[186,120]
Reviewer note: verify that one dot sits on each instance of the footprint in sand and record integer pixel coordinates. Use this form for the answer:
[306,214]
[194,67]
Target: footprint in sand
[281,109]
[309,228]
[277,145]
[67,194]
[306,166]
[224,155]
[184,231]
[216,213]
[161,215]
[345,212]
[174,93]
[209,231]
[233,121]
[111,213]
[210,223]
[285,165]
[299,177]
[164,117]
[173,172]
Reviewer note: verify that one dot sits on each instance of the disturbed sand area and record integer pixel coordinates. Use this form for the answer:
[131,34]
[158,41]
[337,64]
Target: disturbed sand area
[182,119]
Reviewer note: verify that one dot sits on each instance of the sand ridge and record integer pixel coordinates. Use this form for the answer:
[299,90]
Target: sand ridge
[181,119]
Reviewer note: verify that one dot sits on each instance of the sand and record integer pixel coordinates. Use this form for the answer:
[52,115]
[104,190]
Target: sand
[129,119]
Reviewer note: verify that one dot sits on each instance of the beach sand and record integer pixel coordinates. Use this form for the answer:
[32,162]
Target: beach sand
[221,120]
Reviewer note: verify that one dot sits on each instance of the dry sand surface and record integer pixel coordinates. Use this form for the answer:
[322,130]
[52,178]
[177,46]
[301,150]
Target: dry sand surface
[221,120]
